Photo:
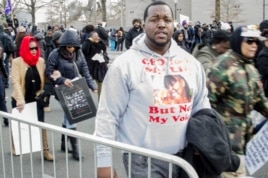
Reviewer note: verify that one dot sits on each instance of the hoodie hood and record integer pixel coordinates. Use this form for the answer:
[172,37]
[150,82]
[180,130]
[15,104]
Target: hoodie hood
[240,33]
[139,45]
[236,41]
[69,38]
[25,51]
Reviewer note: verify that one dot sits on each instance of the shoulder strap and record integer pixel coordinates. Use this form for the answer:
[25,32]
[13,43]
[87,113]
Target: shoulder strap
[79,53]
[57,59]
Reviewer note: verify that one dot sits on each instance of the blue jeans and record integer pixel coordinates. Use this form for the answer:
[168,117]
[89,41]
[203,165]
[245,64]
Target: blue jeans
[3,106]
[139,167]
[67,123]
[112,45]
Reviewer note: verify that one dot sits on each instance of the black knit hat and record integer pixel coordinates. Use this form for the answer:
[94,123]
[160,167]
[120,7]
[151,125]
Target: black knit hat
[220,36]
[263,25]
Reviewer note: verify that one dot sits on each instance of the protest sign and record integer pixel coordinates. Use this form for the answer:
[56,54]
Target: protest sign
[22,135]
[257,151]
[76,101]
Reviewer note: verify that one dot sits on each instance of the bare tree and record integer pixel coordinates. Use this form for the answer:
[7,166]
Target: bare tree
[217,10]
[103,5]
[32,6]
[52,13]
[116,8]
[230,10]
[73,10]
[15,6]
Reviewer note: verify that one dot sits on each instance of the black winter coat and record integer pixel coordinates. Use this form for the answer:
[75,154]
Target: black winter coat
[208,135]
[131,34]
[262,66]
[68,69]
[49,46]
[89,50]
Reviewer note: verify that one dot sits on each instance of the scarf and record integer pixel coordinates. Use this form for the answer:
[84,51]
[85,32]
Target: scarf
[25,53]
[66,55]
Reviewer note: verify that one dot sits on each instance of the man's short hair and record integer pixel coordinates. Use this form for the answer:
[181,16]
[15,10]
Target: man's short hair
[136,20]
[155,3]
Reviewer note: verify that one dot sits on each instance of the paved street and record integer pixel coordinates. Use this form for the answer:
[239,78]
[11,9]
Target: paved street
[55,117]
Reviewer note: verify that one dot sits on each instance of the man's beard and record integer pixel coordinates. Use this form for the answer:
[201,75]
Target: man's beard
[160,44]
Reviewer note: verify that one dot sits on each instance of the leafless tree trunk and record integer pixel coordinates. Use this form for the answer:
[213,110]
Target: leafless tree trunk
[103,5]
[217,10]
[230,10]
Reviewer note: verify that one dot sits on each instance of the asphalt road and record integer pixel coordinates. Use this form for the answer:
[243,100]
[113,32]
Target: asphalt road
[55,117]
[61,163]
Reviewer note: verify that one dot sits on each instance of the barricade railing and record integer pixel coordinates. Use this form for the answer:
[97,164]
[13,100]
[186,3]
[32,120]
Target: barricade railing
[28,165]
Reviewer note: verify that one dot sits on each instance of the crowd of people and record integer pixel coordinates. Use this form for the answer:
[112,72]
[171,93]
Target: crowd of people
[215,71]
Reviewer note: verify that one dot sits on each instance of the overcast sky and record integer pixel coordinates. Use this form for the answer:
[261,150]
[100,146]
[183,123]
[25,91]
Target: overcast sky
[41,14]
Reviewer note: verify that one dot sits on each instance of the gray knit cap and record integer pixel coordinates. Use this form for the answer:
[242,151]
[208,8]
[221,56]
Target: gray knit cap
[56,35]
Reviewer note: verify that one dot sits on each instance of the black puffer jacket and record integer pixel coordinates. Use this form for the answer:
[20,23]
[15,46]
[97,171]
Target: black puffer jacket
[132,33]
[67,68]
[262,66]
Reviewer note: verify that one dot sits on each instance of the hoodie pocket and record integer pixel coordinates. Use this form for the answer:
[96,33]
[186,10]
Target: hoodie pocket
[168,138]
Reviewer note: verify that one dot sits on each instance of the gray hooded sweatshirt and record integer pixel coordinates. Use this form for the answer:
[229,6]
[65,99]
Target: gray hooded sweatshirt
[147,99]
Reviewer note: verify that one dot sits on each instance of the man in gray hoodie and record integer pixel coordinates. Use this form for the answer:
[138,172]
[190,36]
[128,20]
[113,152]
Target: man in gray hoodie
[148,96]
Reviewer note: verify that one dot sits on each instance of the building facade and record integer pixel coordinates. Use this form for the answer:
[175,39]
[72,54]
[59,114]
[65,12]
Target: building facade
[238,11]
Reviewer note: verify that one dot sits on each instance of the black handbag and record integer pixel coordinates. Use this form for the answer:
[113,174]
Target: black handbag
[106,57]
[49,89]
[99,71]
[42,99]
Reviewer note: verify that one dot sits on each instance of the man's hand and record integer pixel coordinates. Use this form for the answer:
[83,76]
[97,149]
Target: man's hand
[105,172]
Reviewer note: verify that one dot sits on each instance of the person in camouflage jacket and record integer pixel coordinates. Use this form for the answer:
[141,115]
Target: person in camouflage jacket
[235,88]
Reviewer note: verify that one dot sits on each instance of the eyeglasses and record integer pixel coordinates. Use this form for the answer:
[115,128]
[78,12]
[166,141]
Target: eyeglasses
[70,46]
[250,40]
[33,48]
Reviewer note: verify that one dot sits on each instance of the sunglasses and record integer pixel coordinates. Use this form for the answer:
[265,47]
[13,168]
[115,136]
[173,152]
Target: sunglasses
[250,40]
[33,48]
[70,46]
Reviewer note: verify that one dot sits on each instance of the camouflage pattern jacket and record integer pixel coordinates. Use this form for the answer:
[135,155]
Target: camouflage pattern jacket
[234,90]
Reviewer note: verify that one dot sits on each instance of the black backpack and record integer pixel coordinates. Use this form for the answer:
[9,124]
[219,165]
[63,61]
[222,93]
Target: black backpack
[9,45]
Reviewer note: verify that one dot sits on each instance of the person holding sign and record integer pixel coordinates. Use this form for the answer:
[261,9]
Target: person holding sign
[93,47]
[65,64]
[235,90]
[28,82]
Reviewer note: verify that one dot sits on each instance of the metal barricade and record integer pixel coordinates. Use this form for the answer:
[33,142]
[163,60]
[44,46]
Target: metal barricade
[32,165]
